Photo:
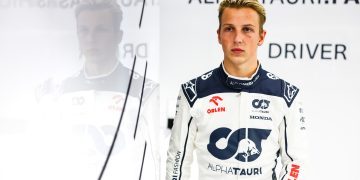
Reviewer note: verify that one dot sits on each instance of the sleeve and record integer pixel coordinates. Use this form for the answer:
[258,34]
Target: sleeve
[293,143]
[180,152]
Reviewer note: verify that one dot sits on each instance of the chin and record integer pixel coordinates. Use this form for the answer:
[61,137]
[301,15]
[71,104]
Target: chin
[237,60]
[93,59]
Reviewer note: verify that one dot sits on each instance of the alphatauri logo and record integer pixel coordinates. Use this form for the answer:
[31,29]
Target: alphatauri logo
[243,144]
[262,104]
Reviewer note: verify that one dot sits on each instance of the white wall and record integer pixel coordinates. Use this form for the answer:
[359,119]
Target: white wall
[38,42]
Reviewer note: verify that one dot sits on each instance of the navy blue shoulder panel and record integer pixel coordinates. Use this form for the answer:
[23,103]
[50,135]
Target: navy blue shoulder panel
[204,85]
[189,89]
[270,84]
[214,82]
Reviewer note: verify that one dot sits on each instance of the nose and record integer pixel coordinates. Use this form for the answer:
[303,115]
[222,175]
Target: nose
[238,37]
[91,36]
[87,35]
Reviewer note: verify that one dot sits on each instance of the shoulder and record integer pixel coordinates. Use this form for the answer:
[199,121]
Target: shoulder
[271,84]
[73,83]
[201,86]
[141,86]
[121,80]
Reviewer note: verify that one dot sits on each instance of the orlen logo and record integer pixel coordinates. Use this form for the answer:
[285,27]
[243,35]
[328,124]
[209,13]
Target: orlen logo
[215,100]
[263,104]
[238,146]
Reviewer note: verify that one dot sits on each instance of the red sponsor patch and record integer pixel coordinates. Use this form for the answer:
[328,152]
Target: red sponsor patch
[294,173]
[215,100]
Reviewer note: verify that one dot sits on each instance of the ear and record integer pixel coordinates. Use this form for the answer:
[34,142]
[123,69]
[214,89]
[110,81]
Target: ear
[262,37]
[218,35]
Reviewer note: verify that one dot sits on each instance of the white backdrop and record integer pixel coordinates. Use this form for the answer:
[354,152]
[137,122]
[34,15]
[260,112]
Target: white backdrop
[38,42]
[322,29]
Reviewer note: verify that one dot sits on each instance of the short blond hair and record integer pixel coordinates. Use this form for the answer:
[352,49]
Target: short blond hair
[253,4]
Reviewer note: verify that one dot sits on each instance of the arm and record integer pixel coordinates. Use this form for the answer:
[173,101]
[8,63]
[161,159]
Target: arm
[293,143]
[180,152]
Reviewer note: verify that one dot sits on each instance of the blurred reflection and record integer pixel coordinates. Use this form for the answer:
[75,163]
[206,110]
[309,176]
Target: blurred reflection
[86,107]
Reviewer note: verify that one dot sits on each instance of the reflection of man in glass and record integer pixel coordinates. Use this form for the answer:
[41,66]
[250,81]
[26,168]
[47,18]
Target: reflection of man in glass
[93,100]
[99,34]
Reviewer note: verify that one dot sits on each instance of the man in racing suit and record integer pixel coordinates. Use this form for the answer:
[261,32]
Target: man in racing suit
[238,117]
[105,105]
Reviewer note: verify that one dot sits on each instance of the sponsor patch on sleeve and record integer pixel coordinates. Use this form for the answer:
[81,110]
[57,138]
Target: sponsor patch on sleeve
[189,89]
[290,92]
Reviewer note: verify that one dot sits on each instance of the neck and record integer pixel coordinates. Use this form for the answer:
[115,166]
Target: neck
[241,70]
[100,67]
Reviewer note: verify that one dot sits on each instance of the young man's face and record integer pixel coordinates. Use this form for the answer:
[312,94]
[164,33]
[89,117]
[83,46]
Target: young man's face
[98,38]
[240,35]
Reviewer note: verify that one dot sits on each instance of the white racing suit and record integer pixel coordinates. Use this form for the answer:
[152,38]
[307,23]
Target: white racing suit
[238,127]
[88,111]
